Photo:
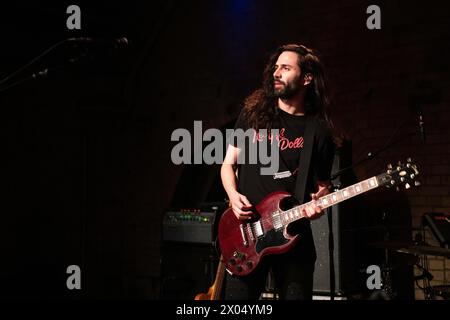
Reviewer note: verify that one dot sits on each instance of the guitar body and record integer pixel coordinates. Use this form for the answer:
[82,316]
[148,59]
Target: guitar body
[244,243]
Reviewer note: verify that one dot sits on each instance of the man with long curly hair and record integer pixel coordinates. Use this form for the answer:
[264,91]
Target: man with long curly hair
[293,95]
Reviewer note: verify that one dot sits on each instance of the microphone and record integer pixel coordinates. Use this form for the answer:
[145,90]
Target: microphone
[421,126]
[117,43]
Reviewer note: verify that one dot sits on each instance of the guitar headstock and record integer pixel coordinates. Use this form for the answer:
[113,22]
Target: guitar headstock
[401,174]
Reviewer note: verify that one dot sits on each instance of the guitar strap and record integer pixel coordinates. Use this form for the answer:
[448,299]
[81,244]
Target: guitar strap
[305,159]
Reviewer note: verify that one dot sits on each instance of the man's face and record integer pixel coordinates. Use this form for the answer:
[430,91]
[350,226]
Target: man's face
[286,75]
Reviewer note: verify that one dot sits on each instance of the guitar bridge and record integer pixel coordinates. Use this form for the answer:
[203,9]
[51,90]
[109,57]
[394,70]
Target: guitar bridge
[243,235]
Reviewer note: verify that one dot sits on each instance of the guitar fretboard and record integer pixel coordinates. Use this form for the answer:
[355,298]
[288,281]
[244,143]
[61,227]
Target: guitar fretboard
[283,218]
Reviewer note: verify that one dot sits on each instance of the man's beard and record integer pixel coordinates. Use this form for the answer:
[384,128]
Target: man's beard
[287,91]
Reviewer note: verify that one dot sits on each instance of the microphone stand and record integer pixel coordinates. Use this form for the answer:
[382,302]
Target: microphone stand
[39,74]
[390,143]
[331,251]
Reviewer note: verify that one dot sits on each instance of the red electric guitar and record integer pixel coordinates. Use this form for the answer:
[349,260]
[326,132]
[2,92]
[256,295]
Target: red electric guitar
[245,243]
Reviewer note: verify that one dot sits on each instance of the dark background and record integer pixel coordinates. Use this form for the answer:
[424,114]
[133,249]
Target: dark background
[87,173]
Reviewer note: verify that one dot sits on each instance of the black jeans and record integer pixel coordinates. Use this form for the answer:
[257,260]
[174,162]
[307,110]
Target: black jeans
[293,280]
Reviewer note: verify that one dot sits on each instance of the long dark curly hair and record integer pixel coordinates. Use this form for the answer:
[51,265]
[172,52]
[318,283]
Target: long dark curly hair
[261,108]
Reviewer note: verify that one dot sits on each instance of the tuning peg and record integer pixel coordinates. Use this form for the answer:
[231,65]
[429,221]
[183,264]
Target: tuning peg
[407,186]
[416,183]
[397,189]
[402,179]
[409,160]
[392,182]
[389,170]
[412,175]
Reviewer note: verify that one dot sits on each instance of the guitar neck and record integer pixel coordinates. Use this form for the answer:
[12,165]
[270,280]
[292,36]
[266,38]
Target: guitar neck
[296,213]
[219,280]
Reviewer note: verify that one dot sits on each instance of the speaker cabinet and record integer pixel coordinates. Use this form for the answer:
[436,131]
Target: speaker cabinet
[342,226]
[343,254]
[187,269]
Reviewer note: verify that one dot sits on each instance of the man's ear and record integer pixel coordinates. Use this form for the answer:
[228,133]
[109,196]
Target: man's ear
[307,78]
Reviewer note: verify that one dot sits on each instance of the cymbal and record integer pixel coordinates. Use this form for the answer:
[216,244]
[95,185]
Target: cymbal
[426,250]
[391,244]
[383,229]
[401,258]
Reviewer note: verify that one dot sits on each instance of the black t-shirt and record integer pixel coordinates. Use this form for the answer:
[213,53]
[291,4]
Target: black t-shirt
[256,186]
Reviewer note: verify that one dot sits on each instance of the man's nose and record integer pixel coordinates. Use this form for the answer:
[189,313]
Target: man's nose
[276,74]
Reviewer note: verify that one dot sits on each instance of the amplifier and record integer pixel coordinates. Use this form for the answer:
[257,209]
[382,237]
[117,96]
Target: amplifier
[193,226]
